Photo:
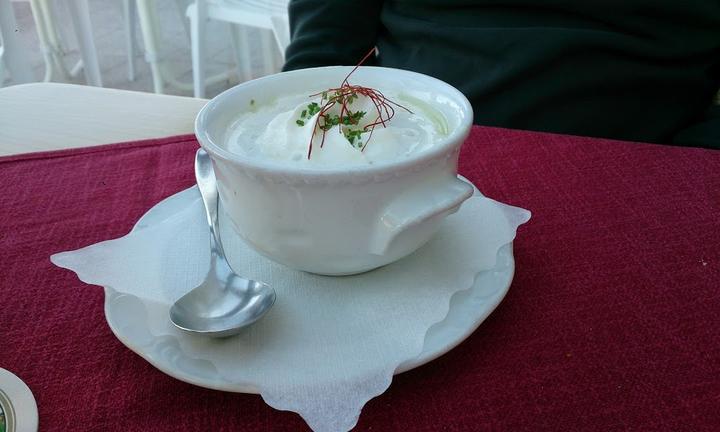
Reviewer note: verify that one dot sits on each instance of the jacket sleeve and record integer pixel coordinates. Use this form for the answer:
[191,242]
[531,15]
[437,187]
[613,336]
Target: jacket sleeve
[331,32]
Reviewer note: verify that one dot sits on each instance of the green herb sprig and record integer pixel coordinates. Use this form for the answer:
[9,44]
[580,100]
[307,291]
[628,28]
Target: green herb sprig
[344,96]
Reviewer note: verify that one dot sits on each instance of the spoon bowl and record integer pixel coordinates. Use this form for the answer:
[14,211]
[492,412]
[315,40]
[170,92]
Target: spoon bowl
[224,302]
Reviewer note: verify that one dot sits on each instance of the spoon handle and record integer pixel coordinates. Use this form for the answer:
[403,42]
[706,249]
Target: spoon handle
[205,177]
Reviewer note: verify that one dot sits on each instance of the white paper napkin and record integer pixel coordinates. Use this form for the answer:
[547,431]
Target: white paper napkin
[329,344]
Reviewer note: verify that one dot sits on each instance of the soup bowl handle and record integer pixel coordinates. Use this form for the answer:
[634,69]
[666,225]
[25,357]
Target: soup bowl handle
[416,210]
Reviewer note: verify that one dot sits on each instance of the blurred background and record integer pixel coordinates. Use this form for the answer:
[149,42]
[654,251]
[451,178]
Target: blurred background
[142,45]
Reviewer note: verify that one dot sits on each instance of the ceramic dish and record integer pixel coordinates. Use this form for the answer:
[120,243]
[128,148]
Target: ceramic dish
[127,317]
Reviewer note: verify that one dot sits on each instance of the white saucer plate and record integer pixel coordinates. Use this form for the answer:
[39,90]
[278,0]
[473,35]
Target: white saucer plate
[126,316]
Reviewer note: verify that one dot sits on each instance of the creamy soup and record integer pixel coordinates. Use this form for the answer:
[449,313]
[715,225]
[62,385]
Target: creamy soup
[313,132]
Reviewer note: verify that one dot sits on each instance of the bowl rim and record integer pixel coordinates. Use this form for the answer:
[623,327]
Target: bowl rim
[445,146]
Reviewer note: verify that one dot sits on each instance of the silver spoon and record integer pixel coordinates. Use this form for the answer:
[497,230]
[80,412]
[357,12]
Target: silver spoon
[224,303]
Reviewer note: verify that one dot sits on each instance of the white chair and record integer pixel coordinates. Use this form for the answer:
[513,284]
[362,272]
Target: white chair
[270,15]
[129,13]
[44,14]
[80,16]
[12,53]
[146,10]
[152,39]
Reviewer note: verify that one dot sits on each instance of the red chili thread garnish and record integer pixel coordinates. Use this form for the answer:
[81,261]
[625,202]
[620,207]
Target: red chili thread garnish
[344,95]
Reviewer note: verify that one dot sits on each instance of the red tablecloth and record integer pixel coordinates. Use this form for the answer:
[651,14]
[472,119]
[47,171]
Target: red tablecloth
[612,322]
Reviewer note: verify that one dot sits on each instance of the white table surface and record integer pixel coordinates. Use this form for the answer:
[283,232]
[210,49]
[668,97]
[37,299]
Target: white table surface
[50,116]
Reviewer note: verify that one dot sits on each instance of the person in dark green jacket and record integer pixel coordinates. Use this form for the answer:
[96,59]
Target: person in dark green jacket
[641,70]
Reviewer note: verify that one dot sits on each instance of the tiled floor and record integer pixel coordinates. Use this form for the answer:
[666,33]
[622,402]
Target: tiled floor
[109,35]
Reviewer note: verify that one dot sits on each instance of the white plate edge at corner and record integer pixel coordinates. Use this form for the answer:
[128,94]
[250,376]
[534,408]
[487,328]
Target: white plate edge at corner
[23,409]
[456,327]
